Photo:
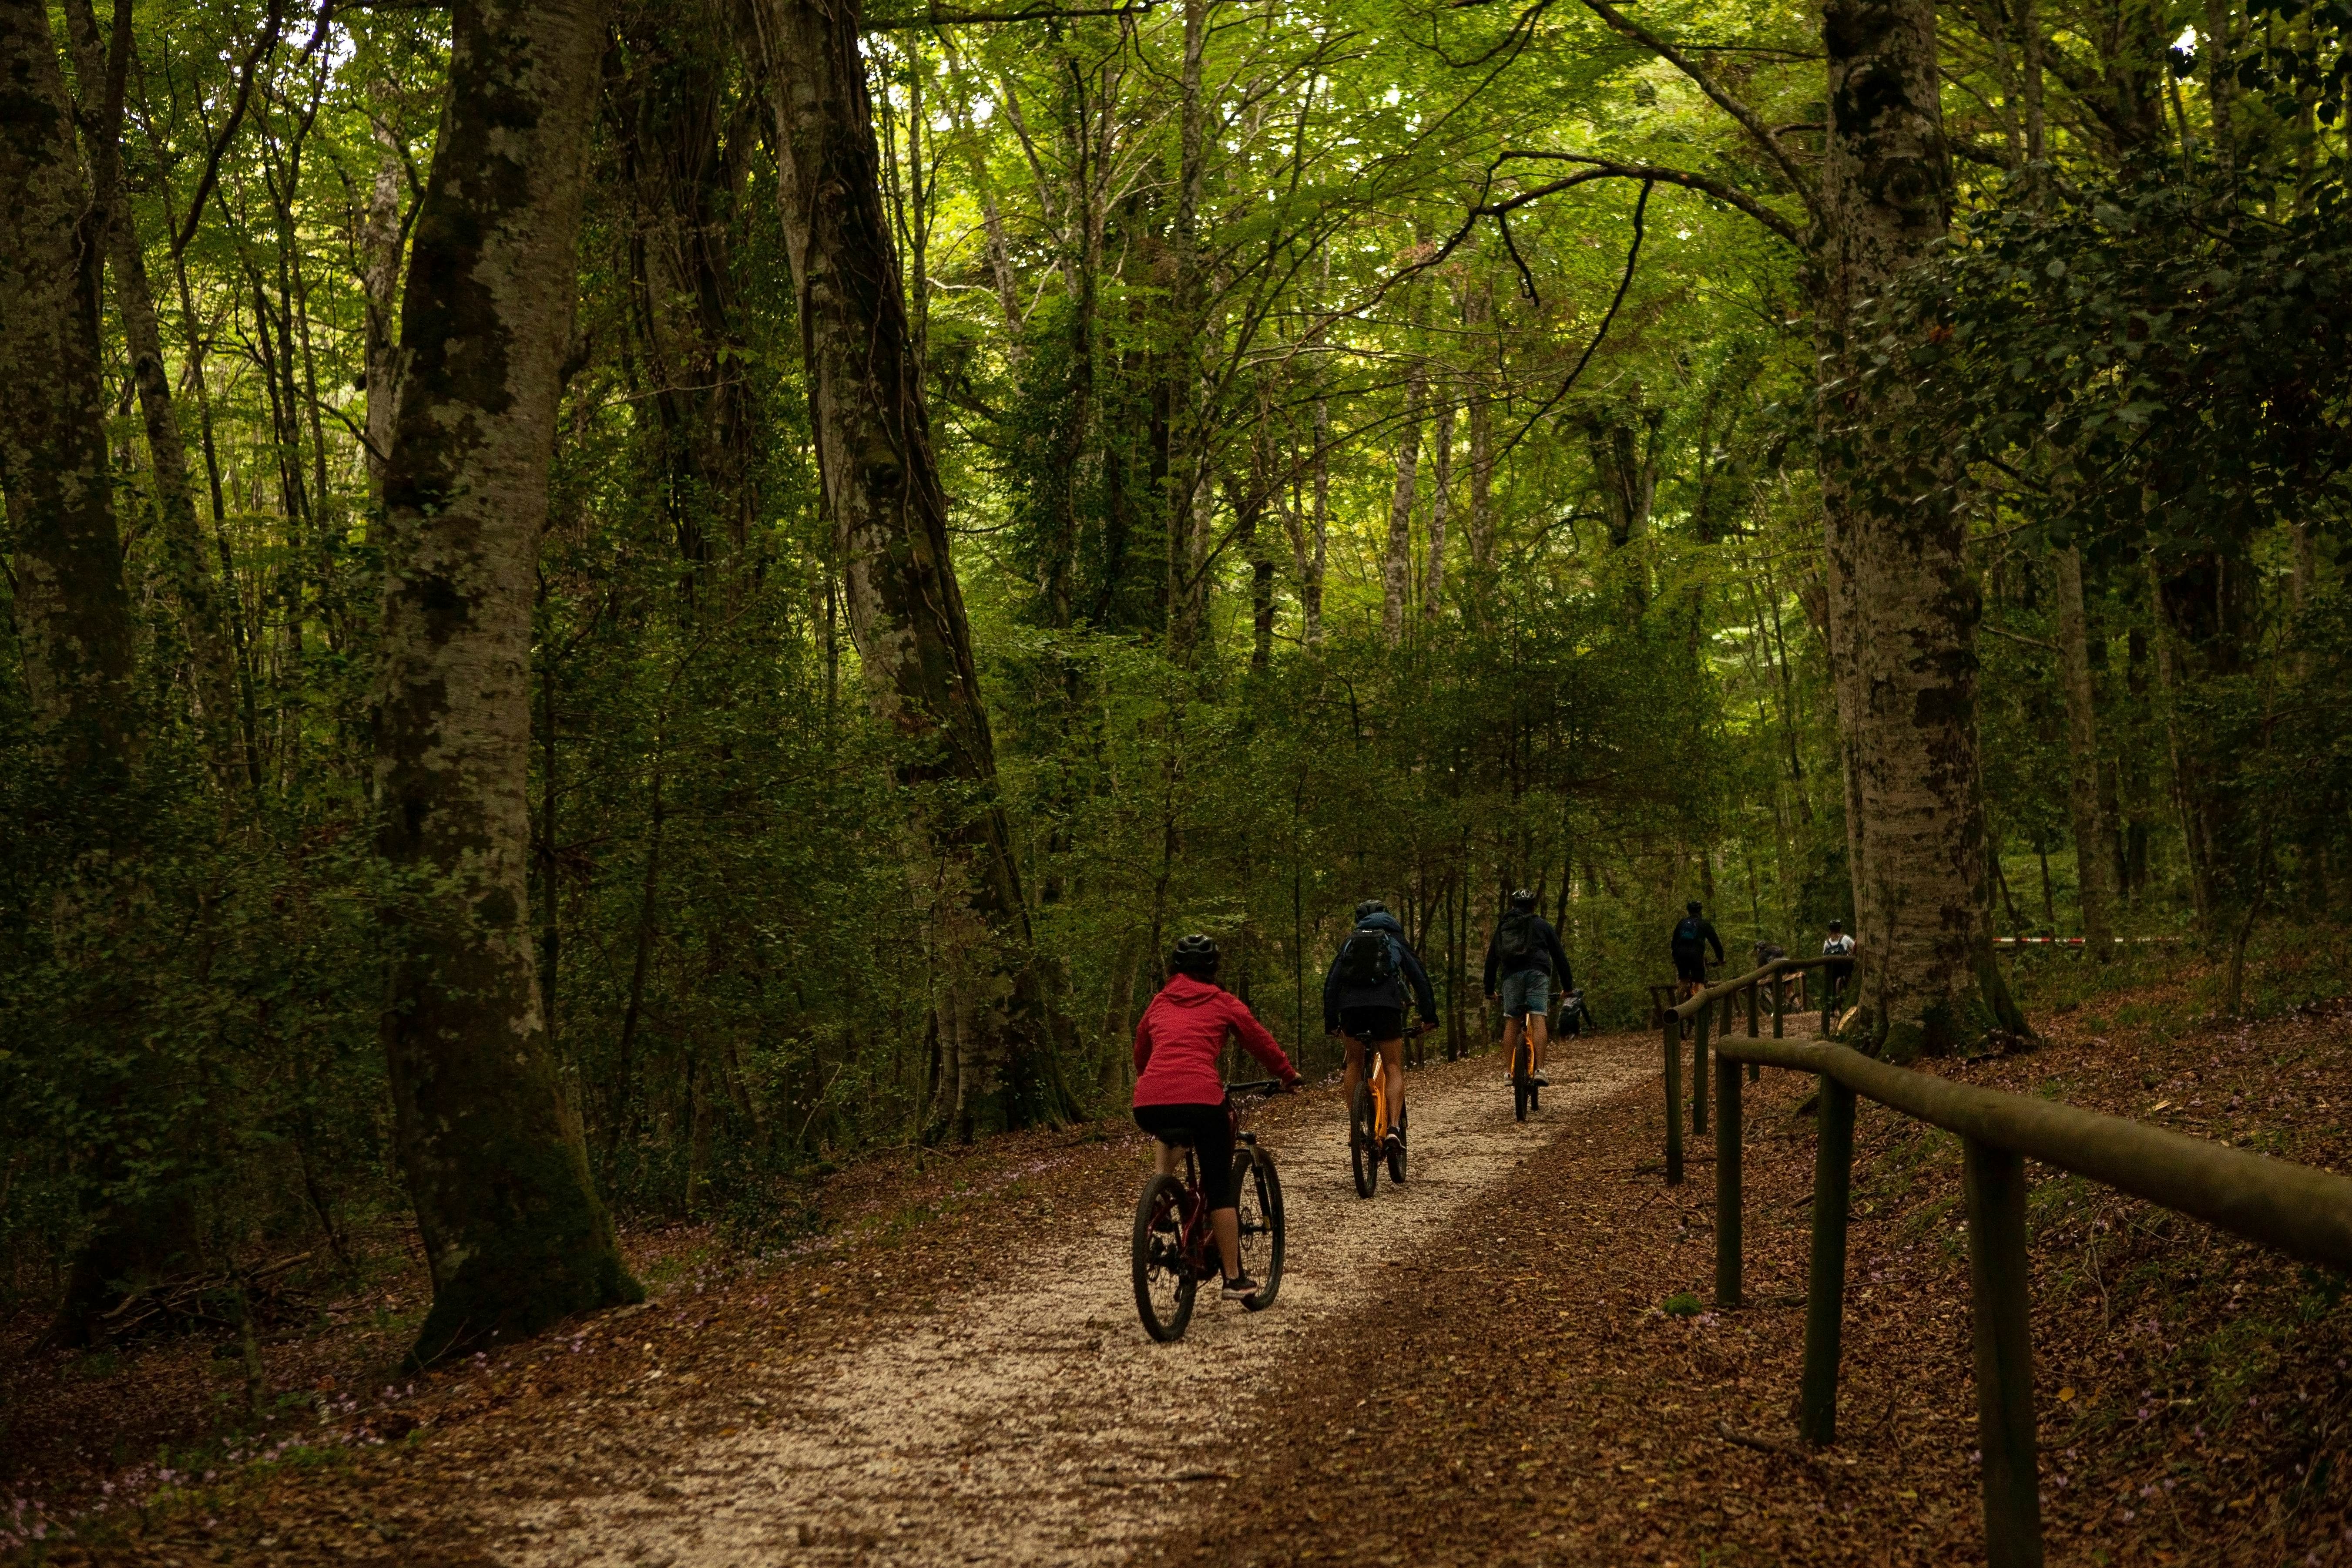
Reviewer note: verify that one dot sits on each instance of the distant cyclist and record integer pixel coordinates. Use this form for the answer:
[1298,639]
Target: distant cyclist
[1364,1001]
[1693,936]
[1524,953]
[1178,1092]
[1838,948]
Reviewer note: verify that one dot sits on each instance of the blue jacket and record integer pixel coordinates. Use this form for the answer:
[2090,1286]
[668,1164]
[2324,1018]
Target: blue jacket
[1338,993]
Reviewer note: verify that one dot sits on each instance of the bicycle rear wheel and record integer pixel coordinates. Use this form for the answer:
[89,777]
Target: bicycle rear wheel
[1523,1093]
[1164,1288]
[1257,1195]
[1364,1142]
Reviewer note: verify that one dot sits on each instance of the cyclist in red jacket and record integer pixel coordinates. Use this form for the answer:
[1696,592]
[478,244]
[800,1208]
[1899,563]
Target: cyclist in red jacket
[1178,1092]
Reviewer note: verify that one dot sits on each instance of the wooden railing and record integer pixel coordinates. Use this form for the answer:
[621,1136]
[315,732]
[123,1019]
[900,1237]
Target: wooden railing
[2302,1212]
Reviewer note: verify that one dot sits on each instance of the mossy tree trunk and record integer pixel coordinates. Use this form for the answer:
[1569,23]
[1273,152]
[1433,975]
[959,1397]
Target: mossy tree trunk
[73,612]
[212,662]
[513,1232]
[1904,607]
[889,511]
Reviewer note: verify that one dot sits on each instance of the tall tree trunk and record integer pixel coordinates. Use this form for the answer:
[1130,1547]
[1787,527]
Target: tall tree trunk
[1311,550]
[381,234]
[72,611]
[72,608]
[889,517]
[1396,560]
[2082,755]
[513,1232]
[1904,608]
[212,663]
[1441,479]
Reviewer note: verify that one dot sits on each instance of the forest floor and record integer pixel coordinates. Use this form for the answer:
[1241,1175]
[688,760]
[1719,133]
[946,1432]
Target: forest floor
[1506,1360]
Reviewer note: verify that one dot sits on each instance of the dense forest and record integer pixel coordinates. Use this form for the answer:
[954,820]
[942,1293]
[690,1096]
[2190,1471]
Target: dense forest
[608,605]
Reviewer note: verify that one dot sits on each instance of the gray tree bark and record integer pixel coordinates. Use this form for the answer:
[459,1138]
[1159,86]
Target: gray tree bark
[1441,478]
[1903,608]
[513,1232]
[889,513]
[2082,755]
[1396,560]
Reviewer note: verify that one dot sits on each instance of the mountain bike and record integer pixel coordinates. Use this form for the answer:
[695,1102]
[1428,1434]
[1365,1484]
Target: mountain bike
[1175,1246]
[1525,1090]
[1832,996]
[1368,1112]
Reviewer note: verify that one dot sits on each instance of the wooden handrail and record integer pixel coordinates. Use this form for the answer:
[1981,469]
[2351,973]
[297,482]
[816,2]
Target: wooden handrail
[2295,1209]
[2300,1211]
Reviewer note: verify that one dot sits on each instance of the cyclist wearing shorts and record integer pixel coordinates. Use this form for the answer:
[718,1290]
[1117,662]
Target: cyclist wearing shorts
[1693,935]
[1364,1001]
[1179,1094]
[1525,953]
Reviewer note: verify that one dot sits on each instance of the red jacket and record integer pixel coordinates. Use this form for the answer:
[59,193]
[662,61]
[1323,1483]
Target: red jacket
[1181,1036]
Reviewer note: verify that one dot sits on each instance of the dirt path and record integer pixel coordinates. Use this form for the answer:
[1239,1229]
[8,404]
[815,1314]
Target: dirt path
[1032,1422]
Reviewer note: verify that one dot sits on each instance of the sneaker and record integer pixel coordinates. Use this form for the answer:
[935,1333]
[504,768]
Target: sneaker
[1540,1081]
[1393,1142]
[1240,1288]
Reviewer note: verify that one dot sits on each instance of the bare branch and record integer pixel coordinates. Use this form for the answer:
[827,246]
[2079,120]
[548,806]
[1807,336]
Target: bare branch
[1620,23]
[1612,169]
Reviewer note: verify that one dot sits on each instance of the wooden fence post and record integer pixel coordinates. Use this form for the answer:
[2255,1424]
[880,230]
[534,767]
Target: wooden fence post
[1995,1187]
[1755,1003]
[1726,1182]
[1673,1034]
[1698,1066]
[1780,1001]
[1825,1280]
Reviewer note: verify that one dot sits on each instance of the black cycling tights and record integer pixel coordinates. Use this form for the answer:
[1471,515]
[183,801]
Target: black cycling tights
[1210,1130]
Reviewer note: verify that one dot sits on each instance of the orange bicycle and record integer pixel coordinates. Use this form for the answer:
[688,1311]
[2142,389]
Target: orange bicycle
[1368,1112]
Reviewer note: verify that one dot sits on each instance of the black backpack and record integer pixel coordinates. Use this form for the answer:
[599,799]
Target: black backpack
[1688,939]
[1368,961]
[1518,939]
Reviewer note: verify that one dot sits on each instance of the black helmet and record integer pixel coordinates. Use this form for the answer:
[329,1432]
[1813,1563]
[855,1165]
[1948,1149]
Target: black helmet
[1837,925]
[1692,906]
[1195,955]
[1522,900]
[1370,908]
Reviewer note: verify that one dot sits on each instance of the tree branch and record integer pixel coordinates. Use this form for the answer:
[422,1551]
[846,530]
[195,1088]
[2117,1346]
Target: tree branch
[264,41]
[1620,23]
[1610,169]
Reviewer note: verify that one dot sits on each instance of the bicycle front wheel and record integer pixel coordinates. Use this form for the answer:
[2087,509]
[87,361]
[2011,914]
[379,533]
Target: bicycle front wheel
[1164,1288]
[1257,1195]
[1364,1142]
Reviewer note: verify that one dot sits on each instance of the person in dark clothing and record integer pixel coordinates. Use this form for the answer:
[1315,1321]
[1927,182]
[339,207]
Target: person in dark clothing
[1364,1001]
[1523,956]
[1575,1017]
[1693,936]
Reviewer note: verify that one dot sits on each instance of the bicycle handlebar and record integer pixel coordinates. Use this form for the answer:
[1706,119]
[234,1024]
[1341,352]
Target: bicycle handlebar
[1268,1087]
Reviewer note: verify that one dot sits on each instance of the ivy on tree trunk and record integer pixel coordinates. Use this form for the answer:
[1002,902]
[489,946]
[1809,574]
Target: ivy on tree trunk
[1903,604]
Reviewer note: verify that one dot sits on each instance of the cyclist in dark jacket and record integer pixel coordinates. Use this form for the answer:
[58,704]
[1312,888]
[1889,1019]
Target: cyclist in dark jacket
[1524,953]
[1692,938]
[1364,1000]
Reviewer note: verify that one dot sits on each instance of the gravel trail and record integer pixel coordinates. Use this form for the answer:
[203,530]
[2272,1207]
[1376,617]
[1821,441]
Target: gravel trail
[1032,1422]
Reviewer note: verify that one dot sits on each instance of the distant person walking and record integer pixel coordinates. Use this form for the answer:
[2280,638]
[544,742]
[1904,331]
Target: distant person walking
[1523,956]
[1693,936]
